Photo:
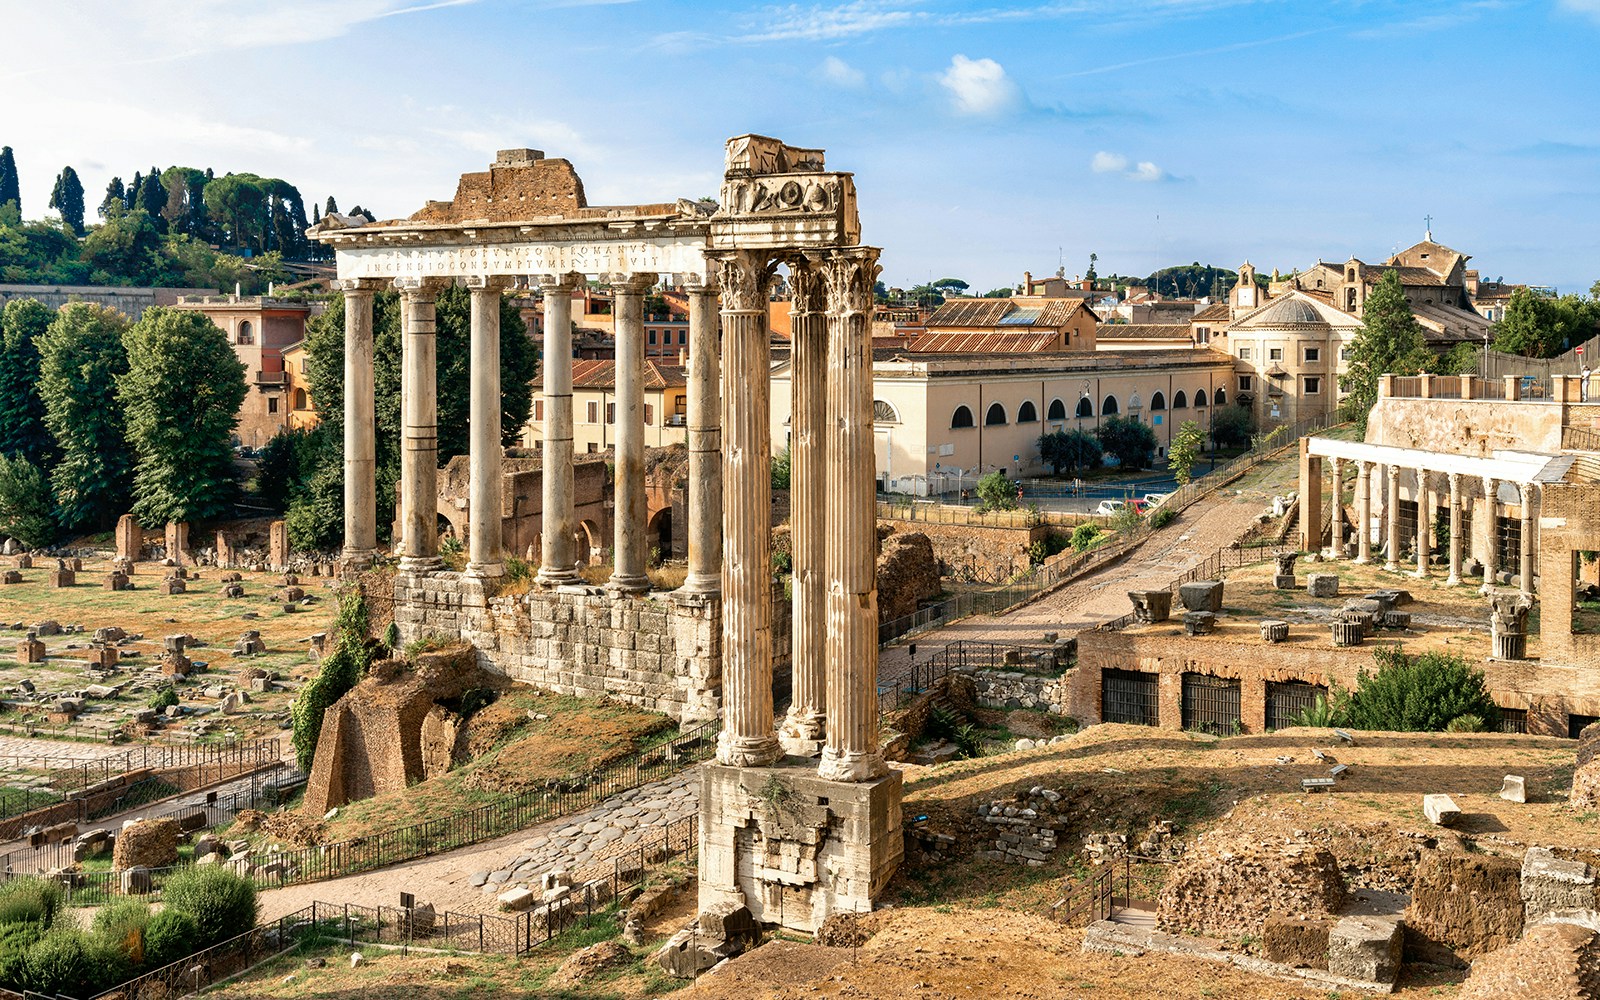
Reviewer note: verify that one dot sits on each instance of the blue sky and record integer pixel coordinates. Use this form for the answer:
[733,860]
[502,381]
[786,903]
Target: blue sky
[986,138]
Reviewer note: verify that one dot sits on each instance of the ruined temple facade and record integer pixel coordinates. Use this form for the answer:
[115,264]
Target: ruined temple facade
[800,816]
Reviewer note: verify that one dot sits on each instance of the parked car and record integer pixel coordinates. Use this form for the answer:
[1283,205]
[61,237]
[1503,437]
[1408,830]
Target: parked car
[1109,508]
[1155,499]
[1139,506]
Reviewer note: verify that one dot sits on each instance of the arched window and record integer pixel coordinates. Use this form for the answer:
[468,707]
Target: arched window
[1027,413]
[299,399]
[884,413]
[1158,402]
[1109,407]
[1221,397]
[245,336]
[1085,407]
[995,416]
[961,418]
[1058,410]
[1180,401]
[1200,398]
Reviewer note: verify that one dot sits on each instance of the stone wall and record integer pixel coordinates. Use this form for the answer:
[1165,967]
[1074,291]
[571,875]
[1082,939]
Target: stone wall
[660,652]
[969,551]
[1013,689]
[1465,427]
[1228,888]
[1569,523]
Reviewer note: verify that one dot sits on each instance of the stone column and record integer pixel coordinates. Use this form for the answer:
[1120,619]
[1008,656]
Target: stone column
[808,490]
[1491,555]
[485,552]
[628,515]
[1391,517]
[1424,522]
[419,420]
[1310,498]
[360,430]
[1363,512]
[747,738]
[1529,526]
[705,442]
[1455,529]
[852,752]
[558,524]
[1336,516]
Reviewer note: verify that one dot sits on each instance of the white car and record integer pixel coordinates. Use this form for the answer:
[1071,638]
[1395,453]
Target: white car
[1109,508]
[1155,499]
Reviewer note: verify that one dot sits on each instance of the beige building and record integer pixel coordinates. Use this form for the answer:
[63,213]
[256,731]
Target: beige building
[941,420]
[1020,324]
[594,407]
[259,328]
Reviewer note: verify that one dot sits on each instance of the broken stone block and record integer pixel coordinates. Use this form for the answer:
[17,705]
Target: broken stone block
[1322,585]
[1202,595]
[1441,810]
[233,590]
[116,581]
[289,595]
[516,899]
[1365,948]
[136,881]
[11,576]
[173,585]
[63,578]
[25,561]
[30,650]
[1349,633]
[1150,606]
[1551,885]
[1513,788]
[1274,631]
[1284,581]
[1199,622]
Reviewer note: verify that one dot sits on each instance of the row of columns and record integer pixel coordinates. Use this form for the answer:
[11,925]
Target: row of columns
[1426,503]
[419,543]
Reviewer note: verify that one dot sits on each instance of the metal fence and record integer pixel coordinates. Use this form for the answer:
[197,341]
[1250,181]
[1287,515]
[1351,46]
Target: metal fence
[216,963]
[1580,439]
[1498,364]
[969,654]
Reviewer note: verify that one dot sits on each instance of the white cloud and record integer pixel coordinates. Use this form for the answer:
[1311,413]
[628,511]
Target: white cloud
[1115,163]
[1589,8]
[841,73]
[1108,163]
[979,86]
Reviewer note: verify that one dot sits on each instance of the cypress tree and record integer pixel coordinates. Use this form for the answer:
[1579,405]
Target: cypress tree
[331,207]
[22,427]
[152,197]
[115,195]
[81,356]
[67,198]
[10,184]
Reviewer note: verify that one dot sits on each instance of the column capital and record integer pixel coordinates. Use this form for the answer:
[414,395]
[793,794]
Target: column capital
[806,286]
[422,287]
[849,275]
[700,284]
[744,277]
[489,282]
[637,283]
[360,286]
[1491,488]
[555,284]
[1455,481]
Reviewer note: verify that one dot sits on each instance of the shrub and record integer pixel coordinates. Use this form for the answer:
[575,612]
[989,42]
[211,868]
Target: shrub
[1126,518]
[116,920]
[1129,440]
[221,902]
[15,940]
[340,671]
[1420,694]
[60,962]
[171,935]
[1052,543]
[1162,517]
[1085,536]
[166,696]
[1325,711]
[29,899]
[1464,724]
[780,470]
[995,492]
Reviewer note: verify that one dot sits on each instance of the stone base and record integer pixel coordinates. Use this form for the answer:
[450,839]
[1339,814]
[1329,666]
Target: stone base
[794,847]
[1283,582]
[1510,646]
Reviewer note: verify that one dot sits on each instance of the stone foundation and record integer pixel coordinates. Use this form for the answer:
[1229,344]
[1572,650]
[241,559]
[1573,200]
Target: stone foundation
[794,847]
[660,652]
[1011,689]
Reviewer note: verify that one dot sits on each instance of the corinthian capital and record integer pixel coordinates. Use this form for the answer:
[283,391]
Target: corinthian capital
[631,284]
[558,283]
[421,287]
[805,282]
[849,276]
[745,276]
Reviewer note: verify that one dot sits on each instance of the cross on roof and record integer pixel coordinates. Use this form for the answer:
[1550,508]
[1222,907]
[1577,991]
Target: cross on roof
[1428,220]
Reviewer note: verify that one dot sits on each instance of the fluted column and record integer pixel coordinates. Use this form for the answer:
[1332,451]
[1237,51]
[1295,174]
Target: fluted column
[1424,523]
[628,574]
[1391,517]
[1491,514]
[705,442]
[360,430]
[803,725]
[851,752]
[485,549]
[1363,512]
[747,738]
[419,425]
[1455,529]
[1336,515]
[1529,526]
[558,524]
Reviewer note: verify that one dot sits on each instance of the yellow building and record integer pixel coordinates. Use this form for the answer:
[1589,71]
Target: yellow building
[594,408]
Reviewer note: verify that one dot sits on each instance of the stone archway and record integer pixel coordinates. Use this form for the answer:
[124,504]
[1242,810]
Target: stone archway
[659,532]
[587,538]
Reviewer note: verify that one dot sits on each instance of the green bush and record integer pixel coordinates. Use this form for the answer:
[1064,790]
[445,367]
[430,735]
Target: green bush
[165,697]
[171,935]
[222,903]
[995,492]
[60,962]
[780,470]
[340,672]
[1085,536]
[1162,517]
[1325,711]
[15,940]
[1464,724]
[116,920]
[1420,694]
[1052,543]
[29,900]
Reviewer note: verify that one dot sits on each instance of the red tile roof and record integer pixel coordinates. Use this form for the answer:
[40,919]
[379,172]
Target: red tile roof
[985,343]
[596,374]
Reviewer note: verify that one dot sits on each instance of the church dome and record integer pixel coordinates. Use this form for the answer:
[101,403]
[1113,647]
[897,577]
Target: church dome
[1289,312]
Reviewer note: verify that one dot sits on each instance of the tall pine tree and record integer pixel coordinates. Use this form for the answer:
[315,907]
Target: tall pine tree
[10,183]
[181,394]
[152,197]
[1389,342]
[67,198]
[22,428]
[80,358]
[115,195]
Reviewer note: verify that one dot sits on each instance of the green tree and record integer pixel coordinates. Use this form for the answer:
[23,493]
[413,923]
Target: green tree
[1541,326]
[1132,442]
[995,492]
[1462,359]
[116,199]
[341,670]
[10,183]
[126,250]
[81,357]
[1069,451]
[1231,426]
[1419,694]
[1389,342]
[1184,452]
[181,394]
[67,198]
[151,198]
[26,512]
[22,429]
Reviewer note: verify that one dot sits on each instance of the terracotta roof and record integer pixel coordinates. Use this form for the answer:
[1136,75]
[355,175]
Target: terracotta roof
[596,374]
[1216,312]
[1029,311]
[1141,331]
[984,343]
[1408,275]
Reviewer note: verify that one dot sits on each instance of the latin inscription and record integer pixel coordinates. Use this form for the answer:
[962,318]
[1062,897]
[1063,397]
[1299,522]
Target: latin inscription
[623,256]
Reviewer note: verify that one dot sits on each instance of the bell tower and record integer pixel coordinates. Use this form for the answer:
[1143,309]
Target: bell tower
[1246,295]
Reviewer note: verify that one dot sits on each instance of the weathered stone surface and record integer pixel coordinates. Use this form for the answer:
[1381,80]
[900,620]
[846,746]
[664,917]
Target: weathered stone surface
[136,881]
[1202,595]
[908,574]
[1150,606]
[1226,888]
[1322,585]
[1462,906]
[1551,885]
[152,843]
[516,899]
[1514,788]
[1349,633]
[1441,810]
[1300,942]
[1366,948]
[1199,622]
[1554,961]
[1274,631]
